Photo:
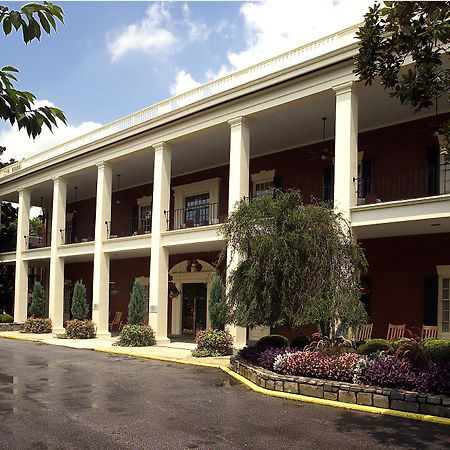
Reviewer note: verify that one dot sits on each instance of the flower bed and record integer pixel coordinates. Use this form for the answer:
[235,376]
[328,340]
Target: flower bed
[405,375]
[401,400]
[405,364]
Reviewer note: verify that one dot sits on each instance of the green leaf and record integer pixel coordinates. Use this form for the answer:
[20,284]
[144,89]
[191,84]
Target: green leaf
[16,19]
[7,26]
[44,22]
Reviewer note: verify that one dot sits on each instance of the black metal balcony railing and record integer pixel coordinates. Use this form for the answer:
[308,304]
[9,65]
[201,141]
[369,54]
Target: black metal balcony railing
[404,185]
[195,216]
[116,228]
[75,236]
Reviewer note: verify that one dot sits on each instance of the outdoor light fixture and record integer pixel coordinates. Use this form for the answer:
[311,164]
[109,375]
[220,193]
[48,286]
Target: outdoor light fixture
[74,211]
[118,189]
[194,266]
[324,151]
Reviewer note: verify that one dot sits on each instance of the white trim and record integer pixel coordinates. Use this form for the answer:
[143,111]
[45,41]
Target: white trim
[444,273]
[210,186]
[180,276]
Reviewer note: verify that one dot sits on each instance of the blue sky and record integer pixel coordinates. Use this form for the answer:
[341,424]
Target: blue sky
[113,58]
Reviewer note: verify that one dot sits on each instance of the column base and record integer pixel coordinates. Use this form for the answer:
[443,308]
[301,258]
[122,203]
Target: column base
[239,336]
[162,341]
[103,335]
[58,330]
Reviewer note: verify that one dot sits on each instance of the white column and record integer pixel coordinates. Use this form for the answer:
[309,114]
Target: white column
[21,280]
[100,293]
[346,148]
[238,189]
[56,275]
[159,258]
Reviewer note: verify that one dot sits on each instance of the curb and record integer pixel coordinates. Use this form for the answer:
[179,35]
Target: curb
[285,395]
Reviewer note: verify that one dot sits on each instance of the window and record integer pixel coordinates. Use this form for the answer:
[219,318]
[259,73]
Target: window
[444,301]
[263,182]
[197,210]
[145,214]
[196,204]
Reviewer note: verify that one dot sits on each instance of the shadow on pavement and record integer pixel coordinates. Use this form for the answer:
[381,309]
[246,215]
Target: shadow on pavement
[391,431]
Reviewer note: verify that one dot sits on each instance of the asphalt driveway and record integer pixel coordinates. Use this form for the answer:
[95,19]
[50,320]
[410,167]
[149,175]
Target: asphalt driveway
[60,398]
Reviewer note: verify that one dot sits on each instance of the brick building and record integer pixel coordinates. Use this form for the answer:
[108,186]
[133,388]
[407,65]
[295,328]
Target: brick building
[143,197]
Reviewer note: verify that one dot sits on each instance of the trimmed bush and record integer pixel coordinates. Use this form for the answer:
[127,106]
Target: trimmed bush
[300,342]
[37,325]
[273,340]
[37,306]
[136,336]
[439,349]
[213,343]
[80,308]
[6,318]
[218,307]
[136,306]
[80,329]
[370,346]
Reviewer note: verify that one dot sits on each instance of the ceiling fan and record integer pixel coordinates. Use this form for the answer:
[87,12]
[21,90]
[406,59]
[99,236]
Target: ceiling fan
[324,153]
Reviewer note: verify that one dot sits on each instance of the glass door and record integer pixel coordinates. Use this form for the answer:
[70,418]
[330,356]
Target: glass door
[194,307]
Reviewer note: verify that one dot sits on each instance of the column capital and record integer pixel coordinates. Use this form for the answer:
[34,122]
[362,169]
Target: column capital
[345,88]
[23,191]
[164,145]
[103,165]
[238,121]
[57,179]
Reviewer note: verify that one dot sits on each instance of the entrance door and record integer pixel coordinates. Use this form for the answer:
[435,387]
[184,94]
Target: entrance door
[194,307]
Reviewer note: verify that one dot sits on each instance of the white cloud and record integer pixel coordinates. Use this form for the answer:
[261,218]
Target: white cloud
[151,35]
[272,27]
[197,31]
[183,82]
[19,145]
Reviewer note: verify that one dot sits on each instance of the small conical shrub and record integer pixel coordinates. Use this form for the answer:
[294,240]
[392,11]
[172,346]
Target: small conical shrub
[80,308]
[218,308]
[37,307]
[136,306]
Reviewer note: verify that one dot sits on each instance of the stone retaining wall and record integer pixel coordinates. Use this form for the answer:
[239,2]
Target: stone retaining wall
[11,326]
[435,405]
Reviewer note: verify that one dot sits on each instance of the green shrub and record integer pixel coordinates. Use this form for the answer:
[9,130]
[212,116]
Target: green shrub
[136,336]
[37,325]
[80,308]
[6,318]
[439,349]
[395,344]
[300,342]
[37,306]
[370,346]
[213,343]
[273,340]
[80,329]
[218,306]
[136,306]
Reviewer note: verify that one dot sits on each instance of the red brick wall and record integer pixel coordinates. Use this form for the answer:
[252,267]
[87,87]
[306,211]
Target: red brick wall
[399,164]
[397,270]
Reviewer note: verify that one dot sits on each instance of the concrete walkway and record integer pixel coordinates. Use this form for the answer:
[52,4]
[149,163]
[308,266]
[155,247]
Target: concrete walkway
[175,351]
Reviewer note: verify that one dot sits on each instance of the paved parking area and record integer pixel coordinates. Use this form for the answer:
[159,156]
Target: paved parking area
[61,398]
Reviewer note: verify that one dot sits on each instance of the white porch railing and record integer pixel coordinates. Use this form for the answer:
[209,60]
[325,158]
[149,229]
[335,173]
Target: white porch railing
[288,59]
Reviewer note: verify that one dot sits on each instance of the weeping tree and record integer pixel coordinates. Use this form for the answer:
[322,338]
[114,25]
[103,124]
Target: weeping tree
[301,265]
[218,308]
[136,306]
